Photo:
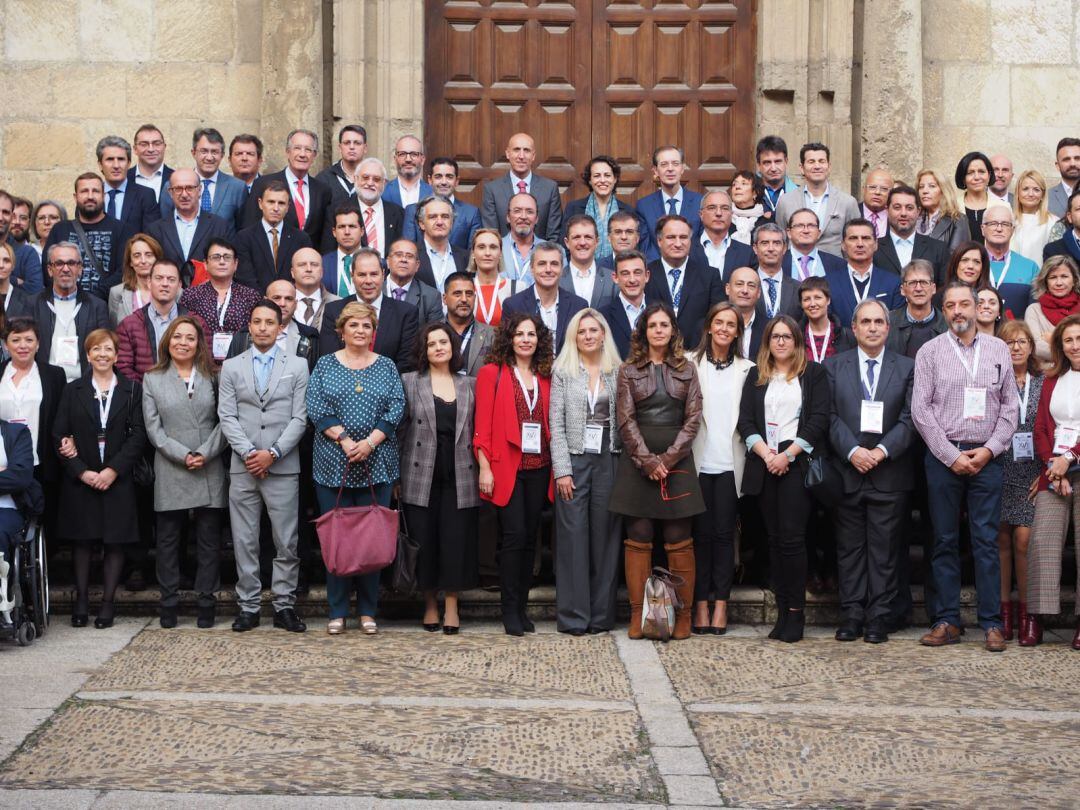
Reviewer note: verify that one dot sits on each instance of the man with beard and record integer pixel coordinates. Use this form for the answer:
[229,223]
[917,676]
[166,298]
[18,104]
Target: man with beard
[901,244]
[27,271]
[965,407]
[476,338]
[381,221]
[518,245]
[408,188]
[100,238]
[1068,166]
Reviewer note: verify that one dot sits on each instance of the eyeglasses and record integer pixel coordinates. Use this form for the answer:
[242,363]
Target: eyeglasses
[307,150]
[221,257]
[918,282]
[410,155]
[47,218]
[71,264]
[996,224]
[401,254]
[712,209]
[1018,343]
[664,490]
[183,189]
[781,338]
[803,226]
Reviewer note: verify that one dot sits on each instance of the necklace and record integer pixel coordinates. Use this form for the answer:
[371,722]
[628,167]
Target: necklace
[721,364]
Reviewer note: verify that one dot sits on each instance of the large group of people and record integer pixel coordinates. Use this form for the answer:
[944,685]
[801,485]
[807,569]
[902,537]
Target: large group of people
[196,355]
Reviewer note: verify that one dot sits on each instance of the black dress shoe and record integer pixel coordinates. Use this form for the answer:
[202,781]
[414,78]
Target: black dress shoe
[700,629]
[450,629]
[103,622]
[526,624]
[207,617]
[245,621]
[168,618]
[512,625]
[286,619]
[432,627]
[79,619]
[849,631]
[574,631]
[875,635]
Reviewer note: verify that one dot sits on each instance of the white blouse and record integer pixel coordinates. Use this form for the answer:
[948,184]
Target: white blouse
[1065,401]
[22,404]
[720,409]
[1029,237]
[783,404]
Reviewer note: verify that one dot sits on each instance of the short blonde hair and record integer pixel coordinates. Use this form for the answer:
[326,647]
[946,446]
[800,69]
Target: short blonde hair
[1037,178]
[99,336]
[357,309]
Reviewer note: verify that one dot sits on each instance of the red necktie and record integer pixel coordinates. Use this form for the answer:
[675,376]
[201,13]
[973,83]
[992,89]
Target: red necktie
[522,187]
[370,230]
[301,206]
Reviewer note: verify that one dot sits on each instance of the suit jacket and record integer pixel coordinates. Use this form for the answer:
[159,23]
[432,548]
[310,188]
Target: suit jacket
[738,255]
[300,340]
[419,445]
[1058,201]
[466,223]
[424,297]
[427,275]
[884,286]
[92,314]
[813,425]
[327,297]
[140,208]
[603,291]
[568,306]
[341,188]
[896,377]
[53,381]
[789,298]
[395,337]
[257,268]
[651,207]
[250,422]
[701,288]
[840,208]
[934,251]
[208,227]
[393,219]
[17,478]
[757,332]
[828,261]
[476,350]
[392,192]
[230,197]
[138,350]
[317,222]
[496,204]
[619,324]
[21,303]
[1065,246]
[166,173]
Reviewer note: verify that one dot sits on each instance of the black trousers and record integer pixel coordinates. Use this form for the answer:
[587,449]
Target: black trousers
[714,537]
[448,542]
[520,520]
[170,527]
[785,508]
[869,525]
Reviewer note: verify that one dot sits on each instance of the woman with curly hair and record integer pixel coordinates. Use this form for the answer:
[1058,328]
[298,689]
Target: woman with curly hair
[748,208]
[513,449]
[658,409]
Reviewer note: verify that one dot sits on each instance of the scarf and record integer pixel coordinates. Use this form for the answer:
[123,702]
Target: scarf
[1056,309]
[744,220]
[603,246]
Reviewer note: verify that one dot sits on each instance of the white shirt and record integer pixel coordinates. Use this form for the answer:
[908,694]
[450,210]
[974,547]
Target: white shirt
[863,369]
[1065,401]
[633,313]
[515,180]
[714,254]
[584,283]
[677,285]
[903,247]
[22,403]
[678,197]
[213,185]
[64,328]
[153,182]
[408,196]
[269,237]
[305,181]
[747,329]
[720,412]
[549,315]
[391,286]
[301,306]
[783,404]
[442,264]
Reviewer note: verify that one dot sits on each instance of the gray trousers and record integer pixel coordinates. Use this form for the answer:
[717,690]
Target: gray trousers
[588,546]
[247,495]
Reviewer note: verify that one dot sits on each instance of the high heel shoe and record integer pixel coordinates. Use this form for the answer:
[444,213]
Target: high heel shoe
[450,629]
[793,626]
[432,627]
[105,617]
[79,619]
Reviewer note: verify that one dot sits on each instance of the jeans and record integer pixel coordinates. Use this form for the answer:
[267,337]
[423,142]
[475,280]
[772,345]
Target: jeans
[339,589]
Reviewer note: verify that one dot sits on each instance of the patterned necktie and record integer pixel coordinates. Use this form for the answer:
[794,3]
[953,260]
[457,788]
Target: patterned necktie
[677,291]
[875,218]
[771,309]
[870,375]
[205,203]
[309,309]
[370,231]
[111,210]
[399,294]
[804,268]
[343,279]
[301,205]
[671,207]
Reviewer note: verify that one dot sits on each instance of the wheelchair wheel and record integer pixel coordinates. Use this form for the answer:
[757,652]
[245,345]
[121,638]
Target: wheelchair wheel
[38,583]
[25,634]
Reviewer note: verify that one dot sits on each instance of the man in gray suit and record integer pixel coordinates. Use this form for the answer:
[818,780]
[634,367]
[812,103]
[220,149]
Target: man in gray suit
[476,338]
[219,193]
[403,260]
[521,154]
[263,416]
[834,208]
[583,277]
[1067,162]
[871,433]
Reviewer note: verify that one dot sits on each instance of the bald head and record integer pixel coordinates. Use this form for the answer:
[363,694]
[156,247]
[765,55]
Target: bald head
[306,270]
[1003,174]
[520,154]
[743,289]
[185,191]
[283,293]
[876,189]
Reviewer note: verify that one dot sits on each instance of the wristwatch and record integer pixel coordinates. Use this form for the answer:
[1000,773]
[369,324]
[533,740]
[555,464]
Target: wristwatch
[790,456]
[1070,455]
[338,439]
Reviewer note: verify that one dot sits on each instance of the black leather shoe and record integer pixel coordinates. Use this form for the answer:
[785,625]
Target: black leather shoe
[526,623]
[79,619]
[875,635]
[168,618]
[849,631]
[245,621]
[574,631]
[105,616]
[207,618]
[450,629]
[432,627]
[103,622]
[287,619]
[512,625]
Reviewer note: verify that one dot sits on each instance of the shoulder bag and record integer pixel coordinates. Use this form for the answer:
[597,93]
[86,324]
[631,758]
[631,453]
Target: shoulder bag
[357,539]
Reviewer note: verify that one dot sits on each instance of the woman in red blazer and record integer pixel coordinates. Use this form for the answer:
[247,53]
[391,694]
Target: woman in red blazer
[1057,445]
[512,445]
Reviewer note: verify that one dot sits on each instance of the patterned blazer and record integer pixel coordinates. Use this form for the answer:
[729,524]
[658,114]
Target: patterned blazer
[202,301]
[416,434]
[569,408]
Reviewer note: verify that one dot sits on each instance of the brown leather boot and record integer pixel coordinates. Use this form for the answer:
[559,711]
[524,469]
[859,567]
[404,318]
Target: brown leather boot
[637,560]
[680,560]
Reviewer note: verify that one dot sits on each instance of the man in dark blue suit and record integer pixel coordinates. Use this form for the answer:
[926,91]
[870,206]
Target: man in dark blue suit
[150,170]
[624,233]
[803,259]
[713,244]
[861,279]
[125,200]
[688,287]
[398,321]
[669,165]
[444,178]
[338,264]
[408,187]
[1069,244]
[554,306]
[622,313]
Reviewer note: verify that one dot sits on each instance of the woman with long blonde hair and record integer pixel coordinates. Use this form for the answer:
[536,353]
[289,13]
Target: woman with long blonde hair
[939,215]
[1034,222]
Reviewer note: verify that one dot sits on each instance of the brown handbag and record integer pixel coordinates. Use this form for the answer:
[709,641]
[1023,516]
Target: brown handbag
[357,539]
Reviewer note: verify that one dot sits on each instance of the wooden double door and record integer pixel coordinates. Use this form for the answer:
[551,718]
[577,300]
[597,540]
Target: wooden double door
[586,78]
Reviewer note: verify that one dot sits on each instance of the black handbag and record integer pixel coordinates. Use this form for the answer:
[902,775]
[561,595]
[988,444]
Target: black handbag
[403,571]
[824,482]
[142,472]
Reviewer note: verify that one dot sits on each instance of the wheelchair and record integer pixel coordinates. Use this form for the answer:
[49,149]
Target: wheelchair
[28,584]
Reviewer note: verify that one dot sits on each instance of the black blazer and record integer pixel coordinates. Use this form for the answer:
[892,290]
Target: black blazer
[813,422]
[53,381]
[140,207]
[895,381]
[426,274]
[701,288]
[569,306]
[757,332]
[619,324]
[256,267]
[18,479]
[317,222]
[934,251]
[393,217]
[166,173]
[210,226]
[1061,247]
[738,255]
[93,314]
[20,305]
[395,337]
[789,298]
[333,177]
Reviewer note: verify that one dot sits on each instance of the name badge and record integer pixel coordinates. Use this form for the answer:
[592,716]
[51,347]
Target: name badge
[872,418]
[222,341]
[772,435]
[67,352]
[974,403]
[101,446]
[1023,446]
[530,437]
[594,438]
[1064,439]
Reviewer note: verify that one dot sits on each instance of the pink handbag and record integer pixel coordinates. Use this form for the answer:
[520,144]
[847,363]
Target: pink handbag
[357,539]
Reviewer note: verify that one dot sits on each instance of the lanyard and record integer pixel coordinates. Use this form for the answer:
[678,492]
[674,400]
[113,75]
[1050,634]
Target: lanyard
[1024,393]
[819,358]
[869,393]
[973,369]
[855,287]
[223,308]
[530,402]
[65,322]
[488,312]
[996,283]
[520,264]
[593,394]
[104,402]
[465,337]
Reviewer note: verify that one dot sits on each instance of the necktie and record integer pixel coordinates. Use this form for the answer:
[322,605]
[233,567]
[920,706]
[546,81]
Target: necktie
[262,374]
[205,204]
[804,268]
[344,278]
[677,291]
[671,206]
[870,375]
[399,294]
[875,218]
[309,309]
[111,210]
[274,244]
[370,231]
[772,296]
[301,206]
[522,188]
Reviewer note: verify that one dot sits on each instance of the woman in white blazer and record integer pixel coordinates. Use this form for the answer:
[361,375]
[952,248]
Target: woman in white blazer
[720,455]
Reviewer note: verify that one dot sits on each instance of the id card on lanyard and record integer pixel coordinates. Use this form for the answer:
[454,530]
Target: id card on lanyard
[872,413]
[222,338]
[530,431]
[104,402]
[974,395]
[594,434]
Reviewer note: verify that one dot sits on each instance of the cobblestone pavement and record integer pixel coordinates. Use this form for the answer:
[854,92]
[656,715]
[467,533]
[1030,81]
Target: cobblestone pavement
[141,717]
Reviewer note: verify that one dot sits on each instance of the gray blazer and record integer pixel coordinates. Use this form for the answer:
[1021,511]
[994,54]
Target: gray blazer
[496,203]
[229,198]
[250,422]
[416,434]
[120,304]
[1058,201]
[177,426]
[479,346]
[569,408]
[840,209]
[422,296]
[603,291]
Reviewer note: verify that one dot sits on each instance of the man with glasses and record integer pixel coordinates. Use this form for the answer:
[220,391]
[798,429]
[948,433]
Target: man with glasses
[403,285]
[219,193]
[310,196]
[186,231]
[224,304]
[913,325]
[1011,273]
[150,169]
[875,195]
[520,242]
[339,177]
[713,245]
[381,221]
[408,188]
[624,233]
[803,259]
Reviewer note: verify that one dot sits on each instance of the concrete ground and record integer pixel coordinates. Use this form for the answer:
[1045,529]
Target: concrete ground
[139,717]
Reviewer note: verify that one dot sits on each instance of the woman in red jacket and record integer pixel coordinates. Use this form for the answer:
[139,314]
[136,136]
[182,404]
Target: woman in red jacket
[512,446]
[1057,445]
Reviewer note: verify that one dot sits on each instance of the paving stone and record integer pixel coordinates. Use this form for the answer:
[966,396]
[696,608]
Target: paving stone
[693,790]
[683,761]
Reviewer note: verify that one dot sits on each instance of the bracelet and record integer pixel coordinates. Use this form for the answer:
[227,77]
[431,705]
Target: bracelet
[370,444]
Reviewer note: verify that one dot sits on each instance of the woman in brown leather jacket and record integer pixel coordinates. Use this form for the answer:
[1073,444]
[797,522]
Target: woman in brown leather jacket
[658,406]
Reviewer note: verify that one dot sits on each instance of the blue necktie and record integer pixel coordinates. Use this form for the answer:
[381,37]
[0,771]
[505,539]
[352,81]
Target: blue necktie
[111,209]
[671,206]
[870,377]
[677,295]
[772,296]
[262,373]
[205,204]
